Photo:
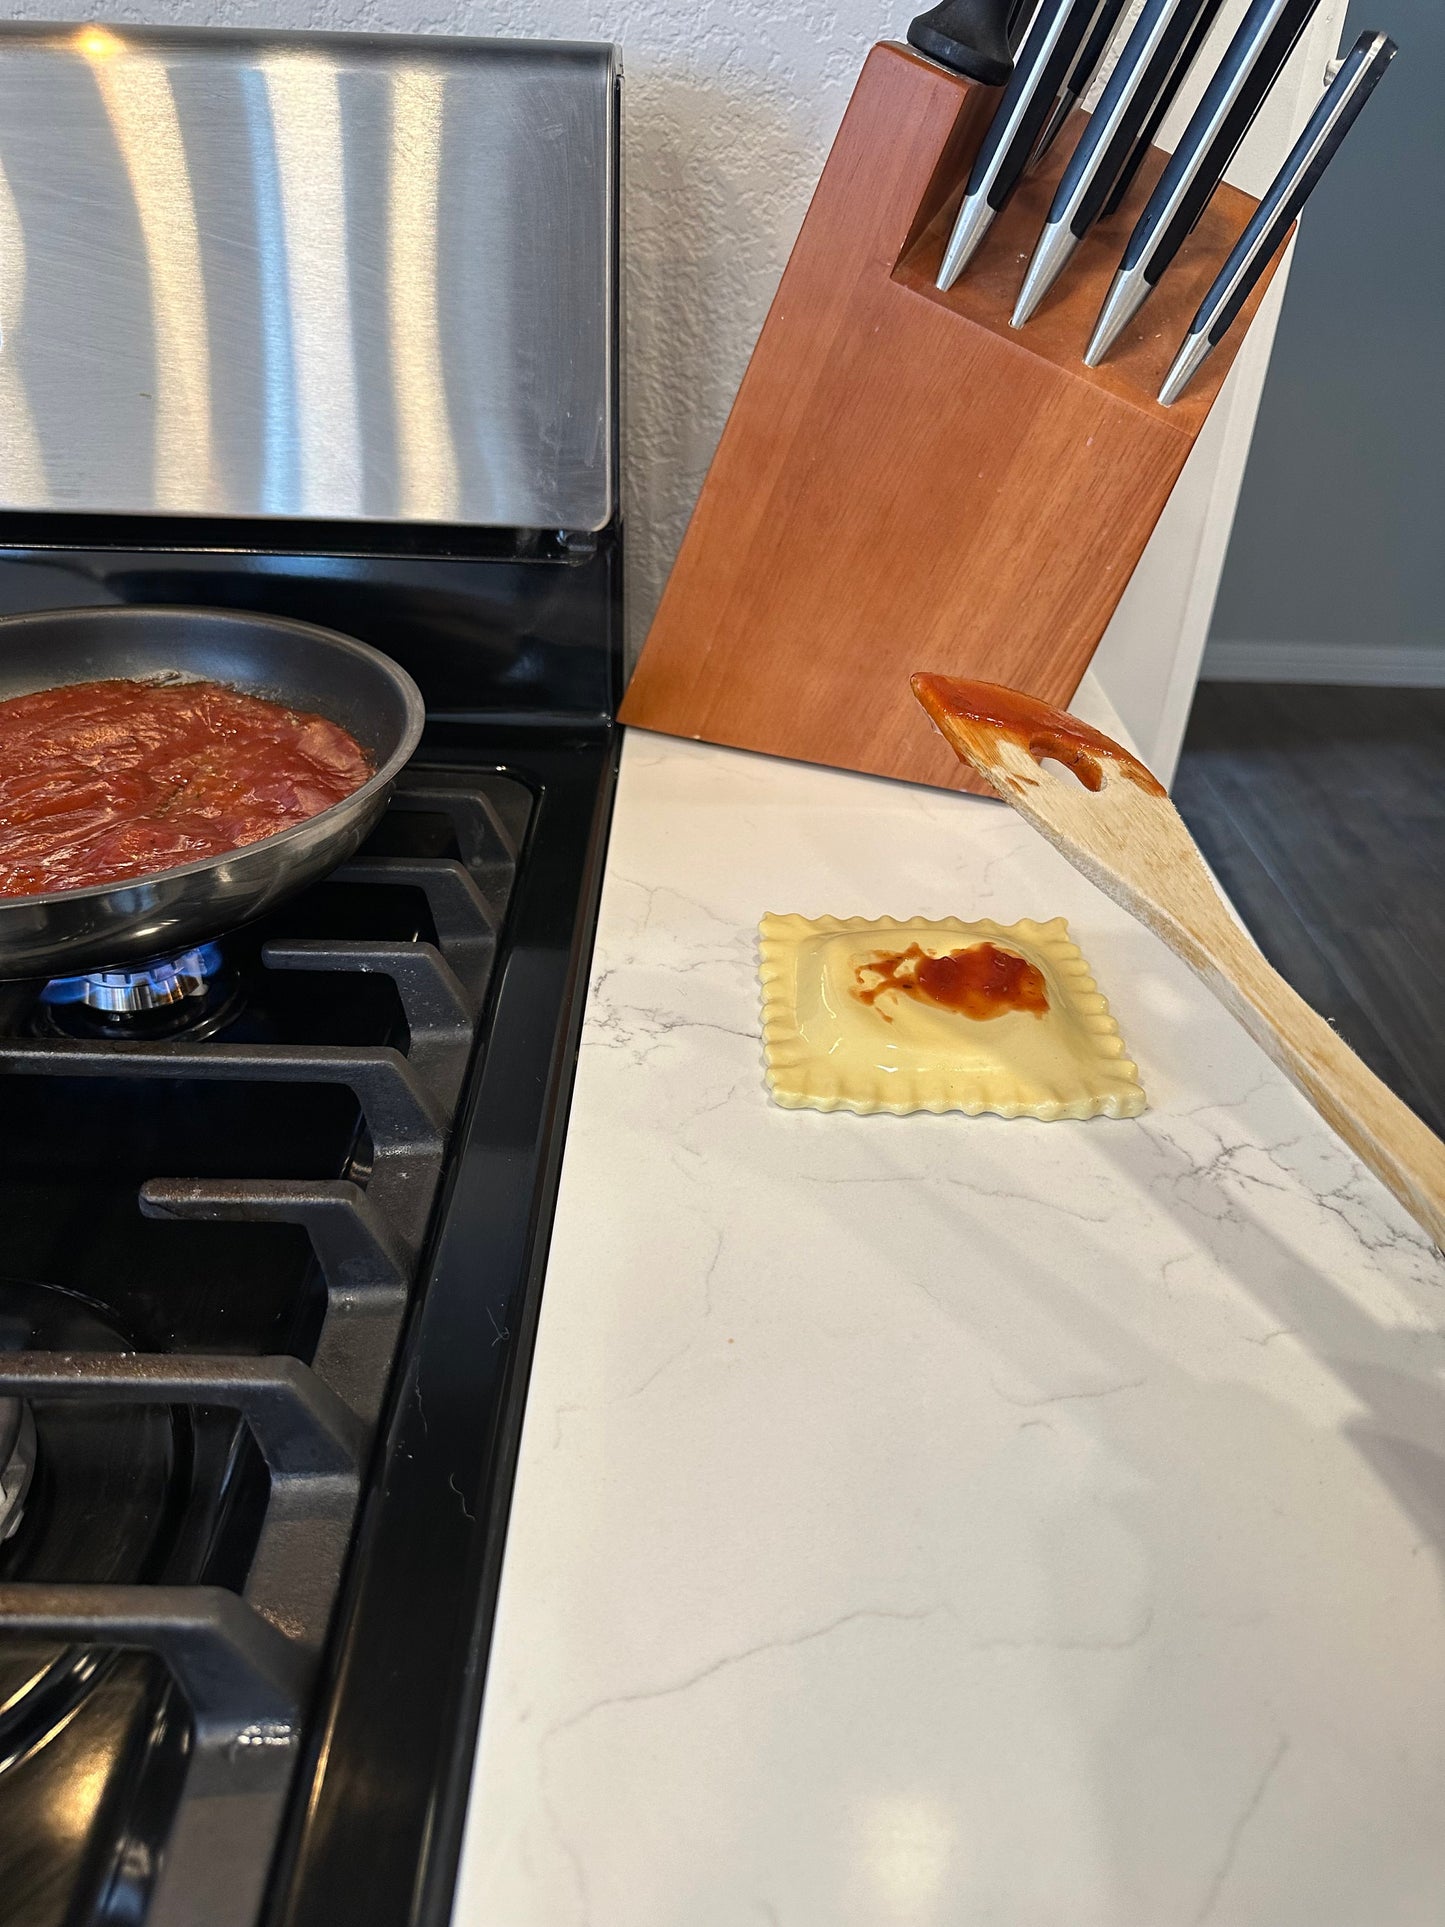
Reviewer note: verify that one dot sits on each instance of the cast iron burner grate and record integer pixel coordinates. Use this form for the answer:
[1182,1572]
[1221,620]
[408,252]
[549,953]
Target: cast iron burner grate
[336,1057]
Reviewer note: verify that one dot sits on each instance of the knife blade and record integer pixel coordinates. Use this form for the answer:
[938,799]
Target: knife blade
[969,36]
[1144,65]
[1052,44]
[1096,51]
[1193,47]
[1250,67]
[1339,108]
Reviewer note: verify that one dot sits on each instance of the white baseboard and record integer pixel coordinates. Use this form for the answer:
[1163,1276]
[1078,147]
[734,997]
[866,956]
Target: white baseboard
[1418,665]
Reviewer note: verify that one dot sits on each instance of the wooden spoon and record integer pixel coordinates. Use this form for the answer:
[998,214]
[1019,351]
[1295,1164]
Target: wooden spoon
[1122,831]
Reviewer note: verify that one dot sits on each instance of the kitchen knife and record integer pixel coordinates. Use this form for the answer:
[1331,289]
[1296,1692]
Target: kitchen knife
[1020,14]
[1311,154]
[1250,67]
[1058,31]
[1139,75]
[1096,50]
[970,36]
[1193,47]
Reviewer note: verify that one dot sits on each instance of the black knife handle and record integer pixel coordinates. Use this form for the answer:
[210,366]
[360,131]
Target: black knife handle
[1095,47]
[1193,47]
[1058,31]
[1250,67]
[1020,13]
[1150,53]
[970,36]
[1307,160]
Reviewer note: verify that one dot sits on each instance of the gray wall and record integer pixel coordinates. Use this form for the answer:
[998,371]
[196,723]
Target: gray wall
[1338,554]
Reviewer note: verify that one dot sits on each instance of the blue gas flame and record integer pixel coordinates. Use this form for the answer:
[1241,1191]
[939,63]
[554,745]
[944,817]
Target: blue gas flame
[161,972]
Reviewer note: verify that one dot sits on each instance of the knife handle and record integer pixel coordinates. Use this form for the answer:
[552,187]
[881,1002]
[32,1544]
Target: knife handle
[1193,47]
[1358,76]
[969,36]
[1100,39]
[1020,13]
[1250,67]
[1054,38]
[1090,62]
[1150,54]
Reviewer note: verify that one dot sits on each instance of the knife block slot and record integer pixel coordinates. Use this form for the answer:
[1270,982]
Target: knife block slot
[906,482]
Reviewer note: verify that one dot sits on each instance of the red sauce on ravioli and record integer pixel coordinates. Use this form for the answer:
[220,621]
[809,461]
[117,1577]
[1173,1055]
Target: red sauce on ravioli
[981,981]
[101,781]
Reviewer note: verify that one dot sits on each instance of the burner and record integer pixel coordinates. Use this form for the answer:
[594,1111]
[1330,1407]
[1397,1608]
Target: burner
[17,1462]
[94,1741]
[192,992]
[17,1435]
[101,1484]
[107,1478]
[156,985]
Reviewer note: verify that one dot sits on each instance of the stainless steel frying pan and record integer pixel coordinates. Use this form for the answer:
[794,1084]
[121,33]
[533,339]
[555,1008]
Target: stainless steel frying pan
[103,926]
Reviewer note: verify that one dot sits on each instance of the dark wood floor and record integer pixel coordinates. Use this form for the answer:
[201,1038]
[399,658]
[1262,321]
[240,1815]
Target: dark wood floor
[1322,812]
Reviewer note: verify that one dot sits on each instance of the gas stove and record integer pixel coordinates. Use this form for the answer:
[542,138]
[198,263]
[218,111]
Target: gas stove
[274,1220]
[275,1207]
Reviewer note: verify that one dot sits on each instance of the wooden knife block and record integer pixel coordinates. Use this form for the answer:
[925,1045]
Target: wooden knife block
[905,481]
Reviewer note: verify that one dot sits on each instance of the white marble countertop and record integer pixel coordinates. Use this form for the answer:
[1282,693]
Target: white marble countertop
[945,1520]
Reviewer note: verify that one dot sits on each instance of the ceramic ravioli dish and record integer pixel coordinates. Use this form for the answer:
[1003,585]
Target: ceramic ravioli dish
[870,1014]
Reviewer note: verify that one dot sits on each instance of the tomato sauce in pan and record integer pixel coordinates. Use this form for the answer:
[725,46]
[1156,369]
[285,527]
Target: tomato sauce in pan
[100,781]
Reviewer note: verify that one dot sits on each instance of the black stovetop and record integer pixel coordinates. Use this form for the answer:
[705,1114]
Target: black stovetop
[269,1275]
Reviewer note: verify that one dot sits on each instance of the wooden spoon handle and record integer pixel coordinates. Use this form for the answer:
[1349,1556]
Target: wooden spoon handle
[1123,833]
[1402,1151]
